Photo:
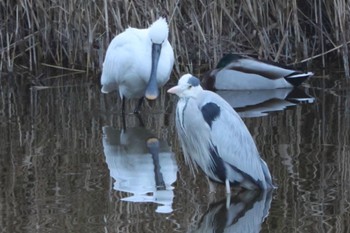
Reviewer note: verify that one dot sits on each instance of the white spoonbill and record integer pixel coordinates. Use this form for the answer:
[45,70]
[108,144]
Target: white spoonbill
[215,138]
[241,72]
[138,62]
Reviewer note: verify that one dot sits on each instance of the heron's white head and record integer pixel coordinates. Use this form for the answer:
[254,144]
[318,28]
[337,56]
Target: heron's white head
[188,86]
[158,31]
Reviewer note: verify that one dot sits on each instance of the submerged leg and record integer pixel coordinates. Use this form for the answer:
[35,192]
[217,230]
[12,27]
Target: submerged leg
[137,109]
[123,106]
[228,201]
[123,113]
[140,119]
[124,121]
[228,187]
[228,193]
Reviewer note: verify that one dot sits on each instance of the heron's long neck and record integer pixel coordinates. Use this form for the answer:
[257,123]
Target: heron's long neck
[181,107]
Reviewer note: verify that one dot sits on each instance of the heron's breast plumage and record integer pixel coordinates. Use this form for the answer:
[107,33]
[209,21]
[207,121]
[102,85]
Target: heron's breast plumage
[194,135]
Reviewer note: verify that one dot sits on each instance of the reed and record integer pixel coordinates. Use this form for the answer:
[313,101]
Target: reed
[75,34]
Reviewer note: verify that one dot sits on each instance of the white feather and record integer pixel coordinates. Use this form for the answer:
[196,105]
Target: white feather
[128,60]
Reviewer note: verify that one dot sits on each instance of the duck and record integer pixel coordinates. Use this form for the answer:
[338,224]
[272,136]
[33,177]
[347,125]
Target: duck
[242,72]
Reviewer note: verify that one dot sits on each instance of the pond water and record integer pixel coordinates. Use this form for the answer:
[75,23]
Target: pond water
[66,164]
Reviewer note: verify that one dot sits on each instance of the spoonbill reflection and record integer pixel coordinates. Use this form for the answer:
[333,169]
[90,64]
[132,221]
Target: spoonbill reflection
[142,165]
[246,212]
[138,62]
[240,72]
[215,138]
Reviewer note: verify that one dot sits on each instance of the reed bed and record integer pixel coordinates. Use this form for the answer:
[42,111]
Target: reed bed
[75,34]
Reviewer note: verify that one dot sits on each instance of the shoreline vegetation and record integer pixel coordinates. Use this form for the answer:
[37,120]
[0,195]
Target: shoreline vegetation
[74,35]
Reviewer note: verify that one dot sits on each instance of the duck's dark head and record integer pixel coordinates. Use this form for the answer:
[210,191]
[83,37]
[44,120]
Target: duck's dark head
[227,59]
[208,80]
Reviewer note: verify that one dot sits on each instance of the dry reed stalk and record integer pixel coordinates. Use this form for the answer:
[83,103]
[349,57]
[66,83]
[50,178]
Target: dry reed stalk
[75,34]
[342,14]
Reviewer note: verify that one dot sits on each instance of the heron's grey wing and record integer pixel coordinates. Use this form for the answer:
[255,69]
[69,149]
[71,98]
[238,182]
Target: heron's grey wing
[231,138]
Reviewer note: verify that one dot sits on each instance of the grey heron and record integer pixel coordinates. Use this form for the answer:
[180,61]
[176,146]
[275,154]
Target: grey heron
[214,137]
[138,62]
[241,72]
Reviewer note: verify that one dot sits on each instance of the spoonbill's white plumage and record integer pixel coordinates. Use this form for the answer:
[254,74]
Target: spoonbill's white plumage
[240,72]
[215,138]
[138,62]
[141,164]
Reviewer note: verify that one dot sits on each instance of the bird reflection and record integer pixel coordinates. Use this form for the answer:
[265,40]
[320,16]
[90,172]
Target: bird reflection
[259,102]
[245,213]
[142,165]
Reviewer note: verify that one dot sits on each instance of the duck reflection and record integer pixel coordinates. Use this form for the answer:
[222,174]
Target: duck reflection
[258,103]
[245,213]
[142,165]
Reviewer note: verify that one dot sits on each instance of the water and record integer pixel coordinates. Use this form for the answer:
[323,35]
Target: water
[60,173]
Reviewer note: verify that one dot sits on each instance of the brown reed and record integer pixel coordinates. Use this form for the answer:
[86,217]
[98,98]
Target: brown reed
[75,34]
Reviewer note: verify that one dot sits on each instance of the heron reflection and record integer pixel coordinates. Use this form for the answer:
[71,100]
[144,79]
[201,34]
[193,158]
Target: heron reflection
[246,213]
[260,102]
[142,165]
